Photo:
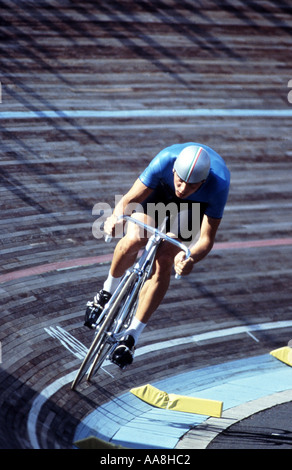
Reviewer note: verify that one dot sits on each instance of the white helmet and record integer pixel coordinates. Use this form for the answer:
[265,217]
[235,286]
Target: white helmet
[192,164]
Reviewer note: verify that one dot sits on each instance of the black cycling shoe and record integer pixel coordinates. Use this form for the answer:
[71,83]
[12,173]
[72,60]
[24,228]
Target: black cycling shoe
[95,309]
[123,354]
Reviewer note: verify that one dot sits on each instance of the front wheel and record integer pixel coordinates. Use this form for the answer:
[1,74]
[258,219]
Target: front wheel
[100,338]
[120,322]
[87,361]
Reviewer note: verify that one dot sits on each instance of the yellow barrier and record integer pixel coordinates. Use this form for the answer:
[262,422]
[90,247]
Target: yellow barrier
[171,401]
[92,442]
[283,354]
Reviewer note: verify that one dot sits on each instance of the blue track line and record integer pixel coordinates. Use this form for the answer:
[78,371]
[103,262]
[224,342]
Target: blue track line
[145,113]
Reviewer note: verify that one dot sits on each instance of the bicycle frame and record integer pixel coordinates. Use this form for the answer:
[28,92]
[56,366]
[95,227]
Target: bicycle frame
[157,237]
[121,308]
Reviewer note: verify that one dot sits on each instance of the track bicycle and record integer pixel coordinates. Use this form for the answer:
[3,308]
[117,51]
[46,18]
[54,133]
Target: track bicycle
[119,311]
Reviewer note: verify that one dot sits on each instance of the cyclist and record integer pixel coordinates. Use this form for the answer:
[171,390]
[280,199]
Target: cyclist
[187,175]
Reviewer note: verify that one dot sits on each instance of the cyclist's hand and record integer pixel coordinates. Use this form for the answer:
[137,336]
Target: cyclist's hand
[182,265]
[110,224]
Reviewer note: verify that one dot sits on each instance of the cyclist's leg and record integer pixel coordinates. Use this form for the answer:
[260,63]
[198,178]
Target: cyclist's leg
[124,256]
[151,295]
[127,248]
[157,285]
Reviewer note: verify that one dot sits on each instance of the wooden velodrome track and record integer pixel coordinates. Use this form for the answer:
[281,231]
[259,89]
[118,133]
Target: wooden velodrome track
[82,87]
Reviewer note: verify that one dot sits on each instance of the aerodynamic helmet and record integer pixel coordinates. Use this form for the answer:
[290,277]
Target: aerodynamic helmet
[192,164]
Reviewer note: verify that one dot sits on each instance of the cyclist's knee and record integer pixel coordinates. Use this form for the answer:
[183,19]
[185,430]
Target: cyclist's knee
[135,234]
[133,242]
[165,257]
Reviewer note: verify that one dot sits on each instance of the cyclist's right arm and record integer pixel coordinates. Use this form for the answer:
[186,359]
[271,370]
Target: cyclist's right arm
[137,194]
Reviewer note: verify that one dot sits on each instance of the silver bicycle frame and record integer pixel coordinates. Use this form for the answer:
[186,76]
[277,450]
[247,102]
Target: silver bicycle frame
[153,241]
